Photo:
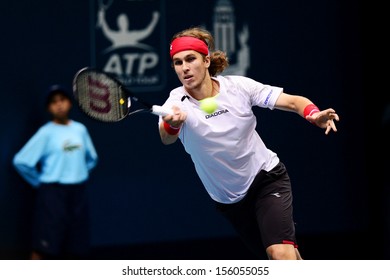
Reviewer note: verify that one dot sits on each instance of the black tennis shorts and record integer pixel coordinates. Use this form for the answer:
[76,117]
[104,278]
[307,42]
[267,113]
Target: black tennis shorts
[265,215]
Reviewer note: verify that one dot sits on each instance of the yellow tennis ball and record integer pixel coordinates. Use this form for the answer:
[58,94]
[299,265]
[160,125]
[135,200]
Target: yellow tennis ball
[121,101]
[209,105]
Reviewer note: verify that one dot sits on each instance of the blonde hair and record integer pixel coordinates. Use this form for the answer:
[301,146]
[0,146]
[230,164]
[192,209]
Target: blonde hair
[218,59]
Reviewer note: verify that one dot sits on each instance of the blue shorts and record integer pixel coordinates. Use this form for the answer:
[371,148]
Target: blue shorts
[61,221]
[265,215]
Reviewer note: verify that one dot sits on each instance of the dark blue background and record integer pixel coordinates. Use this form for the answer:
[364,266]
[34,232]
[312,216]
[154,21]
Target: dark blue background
[144,194]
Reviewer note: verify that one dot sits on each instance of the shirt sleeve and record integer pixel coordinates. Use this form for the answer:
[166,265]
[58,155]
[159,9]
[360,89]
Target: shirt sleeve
[26,160]
[91,154]
[260,94]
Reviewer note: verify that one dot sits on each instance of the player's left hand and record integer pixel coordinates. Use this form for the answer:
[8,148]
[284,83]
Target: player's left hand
[325,119]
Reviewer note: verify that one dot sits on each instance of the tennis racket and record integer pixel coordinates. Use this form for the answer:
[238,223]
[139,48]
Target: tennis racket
[104,98]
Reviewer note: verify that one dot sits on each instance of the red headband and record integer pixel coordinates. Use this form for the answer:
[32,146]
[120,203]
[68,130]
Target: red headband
[188,43]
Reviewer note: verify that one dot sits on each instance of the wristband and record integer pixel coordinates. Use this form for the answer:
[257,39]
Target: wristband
[171,129]
[310,110]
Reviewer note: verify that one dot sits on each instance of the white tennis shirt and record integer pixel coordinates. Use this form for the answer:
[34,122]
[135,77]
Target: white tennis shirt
[224,146]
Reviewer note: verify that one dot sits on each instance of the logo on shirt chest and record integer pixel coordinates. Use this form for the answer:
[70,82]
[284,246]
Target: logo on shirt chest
[68,147]
[215,114]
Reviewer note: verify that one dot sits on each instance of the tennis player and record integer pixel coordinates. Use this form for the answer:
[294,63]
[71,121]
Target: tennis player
[248,182]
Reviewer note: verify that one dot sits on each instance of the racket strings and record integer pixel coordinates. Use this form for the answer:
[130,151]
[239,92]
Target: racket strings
[101,97]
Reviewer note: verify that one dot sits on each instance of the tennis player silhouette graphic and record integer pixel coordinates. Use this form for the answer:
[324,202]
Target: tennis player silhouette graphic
[124,37]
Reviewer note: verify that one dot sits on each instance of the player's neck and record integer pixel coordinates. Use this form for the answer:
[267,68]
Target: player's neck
[215,88]
[207,89]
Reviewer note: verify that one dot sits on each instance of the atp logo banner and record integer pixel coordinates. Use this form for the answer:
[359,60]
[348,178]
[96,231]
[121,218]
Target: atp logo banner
[129,42]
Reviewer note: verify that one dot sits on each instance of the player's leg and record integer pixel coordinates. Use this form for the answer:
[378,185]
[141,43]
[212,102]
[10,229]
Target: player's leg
[275,215]
[242,217]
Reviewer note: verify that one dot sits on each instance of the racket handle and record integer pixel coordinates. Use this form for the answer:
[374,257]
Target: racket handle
[160,111]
